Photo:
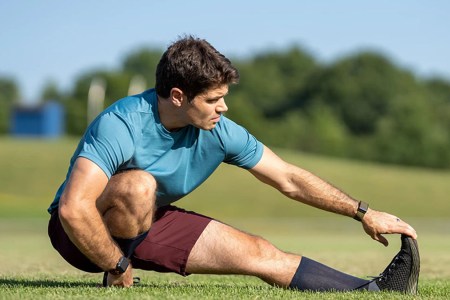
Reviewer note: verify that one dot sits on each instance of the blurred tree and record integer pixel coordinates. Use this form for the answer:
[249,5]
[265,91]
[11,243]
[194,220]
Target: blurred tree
[440,100]
[410,134]
[270,79]
[117,84]
[51,92]
[326,133]
[76,116]
[143,62]
[361,106]
[244,112]
[9,94]
[359,89]
[76,104]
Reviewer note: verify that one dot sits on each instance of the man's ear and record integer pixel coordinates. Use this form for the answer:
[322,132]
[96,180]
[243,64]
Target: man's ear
[177,96]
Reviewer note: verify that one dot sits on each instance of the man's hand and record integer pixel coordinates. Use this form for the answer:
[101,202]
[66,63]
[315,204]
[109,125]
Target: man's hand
[376,223]
[122,280]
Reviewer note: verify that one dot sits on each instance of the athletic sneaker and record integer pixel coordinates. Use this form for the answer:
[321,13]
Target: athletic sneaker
[402,274]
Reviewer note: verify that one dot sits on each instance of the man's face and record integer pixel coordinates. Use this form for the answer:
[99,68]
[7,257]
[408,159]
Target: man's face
[205,109]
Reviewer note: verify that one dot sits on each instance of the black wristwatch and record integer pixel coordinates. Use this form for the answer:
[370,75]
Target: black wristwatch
[121,266]
[362,209]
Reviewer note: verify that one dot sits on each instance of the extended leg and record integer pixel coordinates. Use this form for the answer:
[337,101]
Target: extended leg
[185,242]
[222,249]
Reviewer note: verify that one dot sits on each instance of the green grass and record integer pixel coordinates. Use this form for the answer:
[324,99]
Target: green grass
[32,269]
[205,287]
[31,171]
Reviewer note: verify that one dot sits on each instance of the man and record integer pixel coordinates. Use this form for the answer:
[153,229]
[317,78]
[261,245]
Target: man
[113,213]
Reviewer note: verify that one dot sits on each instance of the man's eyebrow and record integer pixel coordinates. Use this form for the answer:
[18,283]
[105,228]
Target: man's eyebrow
[224,95]
[218,97]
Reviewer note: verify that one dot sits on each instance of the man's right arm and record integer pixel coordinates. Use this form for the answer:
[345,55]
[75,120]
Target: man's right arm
[80,217]
[303,186]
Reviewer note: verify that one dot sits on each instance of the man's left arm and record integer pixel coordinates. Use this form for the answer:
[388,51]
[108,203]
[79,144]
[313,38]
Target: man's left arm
[303,186]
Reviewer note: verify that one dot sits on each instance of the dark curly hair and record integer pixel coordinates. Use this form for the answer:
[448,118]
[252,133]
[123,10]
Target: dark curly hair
[194,66]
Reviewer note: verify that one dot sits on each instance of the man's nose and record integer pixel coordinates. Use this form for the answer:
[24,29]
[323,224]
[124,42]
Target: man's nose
[222,106]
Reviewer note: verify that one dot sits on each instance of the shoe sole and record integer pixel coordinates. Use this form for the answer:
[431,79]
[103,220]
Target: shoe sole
[413,279]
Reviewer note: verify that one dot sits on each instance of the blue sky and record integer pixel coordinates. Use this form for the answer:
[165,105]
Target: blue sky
[59,40]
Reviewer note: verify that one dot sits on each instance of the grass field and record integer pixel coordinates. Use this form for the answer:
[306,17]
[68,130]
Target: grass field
[31,170]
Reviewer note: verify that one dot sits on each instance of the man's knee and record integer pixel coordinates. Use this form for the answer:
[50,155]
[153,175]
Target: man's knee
[264,250]
[132,192]
[134,184]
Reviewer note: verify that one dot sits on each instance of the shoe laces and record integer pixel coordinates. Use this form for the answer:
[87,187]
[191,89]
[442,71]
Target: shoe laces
[386,275]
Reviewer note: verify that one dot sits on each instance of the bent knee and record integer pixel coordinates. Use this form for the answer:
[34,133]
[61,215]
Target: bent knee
[133,190]
[134,183]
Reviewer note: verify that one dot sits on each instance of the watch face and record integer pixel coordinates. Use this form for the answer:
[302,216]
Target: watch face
[361,210]
[363,207]
[121,266]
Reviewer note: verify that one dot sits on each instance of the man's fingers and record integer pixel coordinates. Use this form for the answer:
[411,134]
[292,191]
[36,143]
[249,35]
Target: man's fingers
[409,231]
[122,280]
[404,228]
[381,239]
[377,223]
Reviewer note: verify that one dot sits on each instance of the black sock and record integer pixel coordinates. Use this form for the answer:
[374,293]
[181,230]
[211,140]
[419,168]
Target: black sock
[314,276]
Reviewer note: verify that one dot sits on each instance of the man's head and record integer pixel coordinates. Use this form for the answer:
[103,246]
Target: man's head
[193,66]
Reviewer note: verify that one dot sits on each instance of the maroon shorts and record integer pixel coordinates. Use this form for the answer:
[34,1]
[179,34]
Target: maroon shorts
[165,248]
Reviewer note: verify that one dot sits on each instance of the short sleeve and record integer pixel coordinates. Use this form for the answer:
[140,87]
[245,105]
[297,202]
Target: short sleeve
[241,148]
[108,142]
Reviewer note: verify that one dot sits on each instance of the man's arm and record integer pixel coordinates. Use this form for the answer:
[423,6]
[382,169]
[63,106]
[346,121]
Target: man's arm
[82,220]
[303,186]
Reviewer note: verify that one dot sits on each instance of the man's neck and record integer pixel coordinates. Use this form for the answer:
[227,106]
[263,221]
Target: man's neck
[169,116]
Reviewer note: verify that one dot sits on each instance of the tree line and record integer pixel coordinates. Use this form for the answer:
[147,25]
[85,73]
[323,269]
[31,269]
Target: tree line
[360,106]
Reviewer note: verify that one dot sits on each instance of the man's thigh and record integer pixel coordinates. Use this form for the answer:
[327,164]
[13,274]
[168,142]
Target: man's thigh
[223,249]
[165,248]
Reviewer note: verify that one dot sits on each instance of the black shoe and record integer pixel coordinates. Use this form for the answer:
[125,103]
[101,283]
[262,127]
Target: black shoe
[402,274]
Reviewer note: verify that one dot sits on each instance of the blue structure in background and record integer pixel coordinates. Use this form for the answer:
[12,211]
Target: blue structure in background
[44,121]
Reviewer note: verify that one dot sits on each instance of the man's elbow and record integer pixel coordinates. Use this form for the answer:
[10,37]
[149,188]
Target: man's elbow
[290,193]
[70,211]
[287,189]
[291,189]
[66,214]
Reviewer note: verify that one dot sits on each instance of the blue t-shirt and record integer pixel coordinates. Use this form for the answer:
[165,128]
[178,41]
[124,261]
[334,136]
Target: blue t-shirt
[129,134]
